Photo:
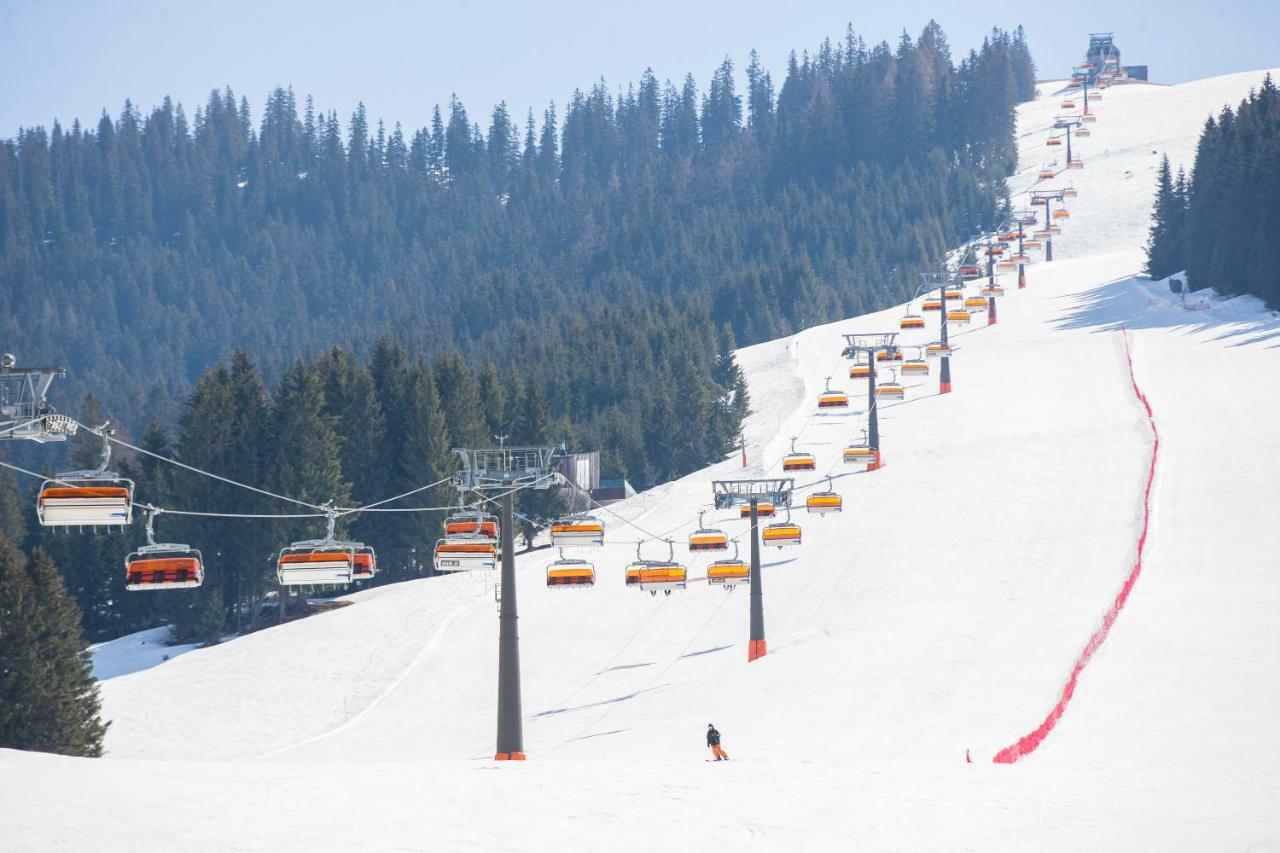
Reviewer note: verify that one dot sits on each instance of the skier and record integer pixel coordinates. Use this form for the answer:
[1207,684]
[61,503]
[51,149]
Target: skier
[713,741]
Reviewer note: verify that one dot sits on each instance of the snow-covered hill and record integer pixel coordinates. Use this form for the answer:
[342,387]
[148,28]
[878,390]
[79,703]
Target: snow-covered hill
[938,617]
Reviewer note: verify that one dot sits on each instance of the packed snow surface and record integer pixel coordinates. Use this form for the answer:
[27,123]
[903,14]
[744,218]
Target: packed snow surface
[934,621]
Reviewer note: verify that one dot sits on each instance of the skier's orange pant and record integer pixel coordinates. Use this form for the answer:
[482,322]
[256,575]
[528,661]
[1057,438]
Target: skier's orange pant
[718,752]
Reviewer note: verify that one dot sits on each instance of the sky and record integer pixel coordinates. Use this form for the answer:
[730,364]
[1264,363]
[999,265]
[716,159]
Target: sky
[64,60]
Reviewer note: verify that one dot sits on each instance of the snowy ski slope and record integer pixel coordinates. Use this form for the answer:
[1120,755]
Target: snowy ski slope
[938,616]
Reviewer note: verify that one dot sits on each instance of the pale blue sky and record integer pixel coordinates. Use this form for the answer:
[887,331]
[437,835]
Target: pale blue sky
[70,59]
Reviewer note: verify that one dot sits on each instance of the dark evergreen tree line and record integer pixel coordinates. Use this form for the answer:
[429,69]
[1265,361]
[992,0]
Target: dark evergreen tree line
[142,250]
[1218,224]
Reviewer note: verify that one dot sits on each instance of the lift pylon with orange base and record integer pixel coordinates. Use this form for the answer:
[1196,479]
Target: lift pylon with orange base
[939,280]
[730,493]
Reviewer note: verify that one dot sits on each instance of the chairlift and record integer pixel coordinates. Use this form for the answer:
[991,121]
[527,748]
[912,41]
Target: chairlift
[917,366]
[1089,118]
[76,499]
[860,452]
[891,389]
[1045,175]
[861,367]
[708,538]
[781,534]
[325,562]
[1068,105]
[1075,164]
[937,349]
[467,552]
[577,531]
[1053,141]
[730,572]
[832,399]
[1031,244]
[1039,202]
[653,576]
[975,303]
[971,271]
[797,460]
[764,509]
[955,292]
[478,523]
[97,498]
[1070,192]
[993,290]
[821,503]
[958,316]
[911,321]
[162,565]
[1020,258]
[933,303]
[1062,213]
[995,250]
[566,573]
[889,354]
[1084,132]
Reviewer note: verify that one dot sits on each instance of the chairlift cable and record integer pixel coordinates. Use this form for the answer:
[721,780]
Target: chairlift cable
[370,506]
[13,467]
[15,427]
[102,434]
[250,515]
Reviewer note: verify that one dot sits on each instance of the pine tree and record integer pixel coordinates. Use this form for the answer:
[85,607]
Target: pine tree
[1024,68]
[13,513]
[493,399]
[48,697]
[1161,249]
[352,408]
[205,442]
[425,459]
[533,426]
[721,109]
[460,400]
[304,460]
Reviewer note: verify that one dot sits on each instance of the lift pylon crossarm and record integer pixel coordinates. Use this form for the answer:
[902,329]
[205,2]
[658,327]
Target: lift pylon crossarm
[731,493]
[507,467]
[871,341]
[25,412]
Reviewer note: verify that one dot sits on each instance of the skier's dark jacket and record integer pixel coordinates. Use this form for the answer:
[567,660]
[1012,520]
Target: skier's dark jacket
[713,737]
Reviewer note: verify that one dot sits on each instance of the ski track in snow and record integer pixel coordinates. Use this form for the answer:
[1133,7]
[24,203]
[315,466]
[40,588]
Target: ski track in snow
[940,613]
